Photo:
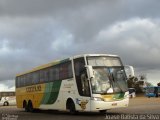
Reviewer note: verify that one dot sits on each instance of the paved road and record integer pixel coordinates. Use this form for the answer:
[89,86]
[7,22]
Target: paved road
[140,107]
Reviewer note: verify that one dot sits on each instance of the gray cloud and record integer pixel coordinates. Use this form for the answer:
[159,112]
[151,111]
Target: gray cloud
[135,39]
[36,32]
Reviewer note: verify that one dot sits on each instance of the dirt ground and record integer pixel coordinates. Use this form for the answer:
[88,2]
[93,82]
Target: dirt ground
[146,108]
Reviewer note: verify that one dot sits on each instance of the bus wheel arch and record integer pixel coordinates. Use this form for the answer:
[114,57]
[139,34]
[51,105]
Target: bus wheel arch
[70,105]
[6,103]
[25,105]
[30,106]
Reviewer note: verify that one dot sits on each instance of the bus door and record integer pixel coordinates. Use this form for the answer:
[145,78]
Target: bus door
[83,96]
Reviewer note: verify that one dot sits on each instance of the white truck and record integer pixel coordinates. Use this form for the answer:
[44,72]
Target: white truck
[8,100]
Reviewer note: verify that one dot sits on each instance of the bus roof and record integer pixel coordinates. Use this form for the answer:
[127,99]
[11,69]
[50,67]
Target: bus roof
[84,55]
[55,62]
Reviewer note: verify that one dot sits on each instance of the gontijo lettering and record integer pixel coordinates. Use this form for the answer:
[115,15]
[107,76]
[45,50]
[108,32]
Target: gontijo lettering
[33,88]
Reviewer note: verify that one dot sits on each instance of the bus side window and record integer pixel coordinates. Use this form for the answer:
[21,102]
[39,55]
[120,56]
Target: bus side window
[51,74]
[28,79]
[17,82]
[41,76]
[46,75]
[56,73]
[36,77]
[65,71]
[22,81]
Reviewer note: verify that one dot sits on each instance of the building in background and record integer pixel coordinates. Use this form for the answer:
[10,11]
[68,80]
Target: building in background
[7,93]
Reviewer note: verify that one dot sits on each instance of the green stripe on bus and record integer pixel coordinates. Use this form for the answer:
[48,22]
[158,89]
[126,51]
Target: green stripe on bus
[47,92]
[119,96]
[51,92]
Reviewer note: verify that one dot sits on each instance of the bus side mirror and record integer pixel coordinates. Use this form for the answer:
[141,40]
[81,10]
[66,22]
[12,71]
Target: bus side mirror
[90,71]
[129,71]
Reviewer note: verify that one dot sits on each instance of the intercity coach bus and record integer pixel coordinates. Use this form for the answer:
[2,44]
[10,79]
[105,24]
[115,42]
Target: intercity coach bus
[89,82]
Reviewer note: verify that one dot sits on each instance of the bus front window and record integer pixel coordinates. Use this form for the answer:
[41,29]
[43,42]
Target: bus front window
[109,80]
[109,74]
[100,83]
[118,78]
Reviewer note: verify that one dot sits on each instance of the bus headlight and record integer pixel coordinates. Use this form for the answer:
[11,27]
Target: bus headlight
[97,99]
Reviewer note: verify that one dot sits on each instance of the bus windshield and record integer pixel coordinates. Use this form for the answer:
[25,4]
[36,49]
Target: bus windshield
[109,80]
[109,75]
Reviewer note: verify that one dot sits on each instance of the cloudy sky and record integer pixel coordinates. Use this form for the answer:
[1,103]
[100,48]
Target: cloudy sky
[34,32]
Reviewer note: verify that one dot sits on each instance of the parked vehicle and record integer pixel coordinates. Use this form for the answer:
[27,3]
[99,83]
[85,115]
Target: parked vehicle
[153,91]
[6,101]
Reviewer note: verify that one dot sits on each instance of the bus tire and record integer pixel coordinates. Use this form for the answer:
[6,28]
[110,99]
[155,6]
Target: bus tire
[30,106]
[25,106]
[103,112]
[71,107]
[5,103]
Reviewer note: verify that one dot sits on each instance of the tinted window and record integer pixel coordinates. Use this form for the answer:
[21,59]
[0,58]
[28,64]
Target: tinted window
[42,76]
[57,72]
[81,77]
[65,71]
[35,79]
[46,75]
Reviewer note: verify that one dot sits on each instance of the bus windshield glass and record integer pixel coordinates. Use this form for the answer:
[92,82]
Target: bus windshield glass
[109,75]
[104,61]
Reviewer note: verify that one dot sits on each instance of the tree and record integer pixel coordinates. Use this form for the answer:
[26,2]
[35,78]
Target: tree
[148,84]
[131,82]
[138,82]
[143,77]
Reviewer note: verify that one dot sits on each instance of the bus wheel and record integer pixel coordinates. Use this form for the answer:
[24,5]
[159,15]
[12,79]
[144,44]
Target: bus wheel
[71,107]
[25,106]
[30,106]
[103,111]
[6,104]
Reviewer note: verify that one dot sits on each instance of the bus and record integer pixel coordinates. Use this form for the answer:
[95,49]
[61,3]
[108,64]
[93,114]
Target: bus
[152,91]
[88,82]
